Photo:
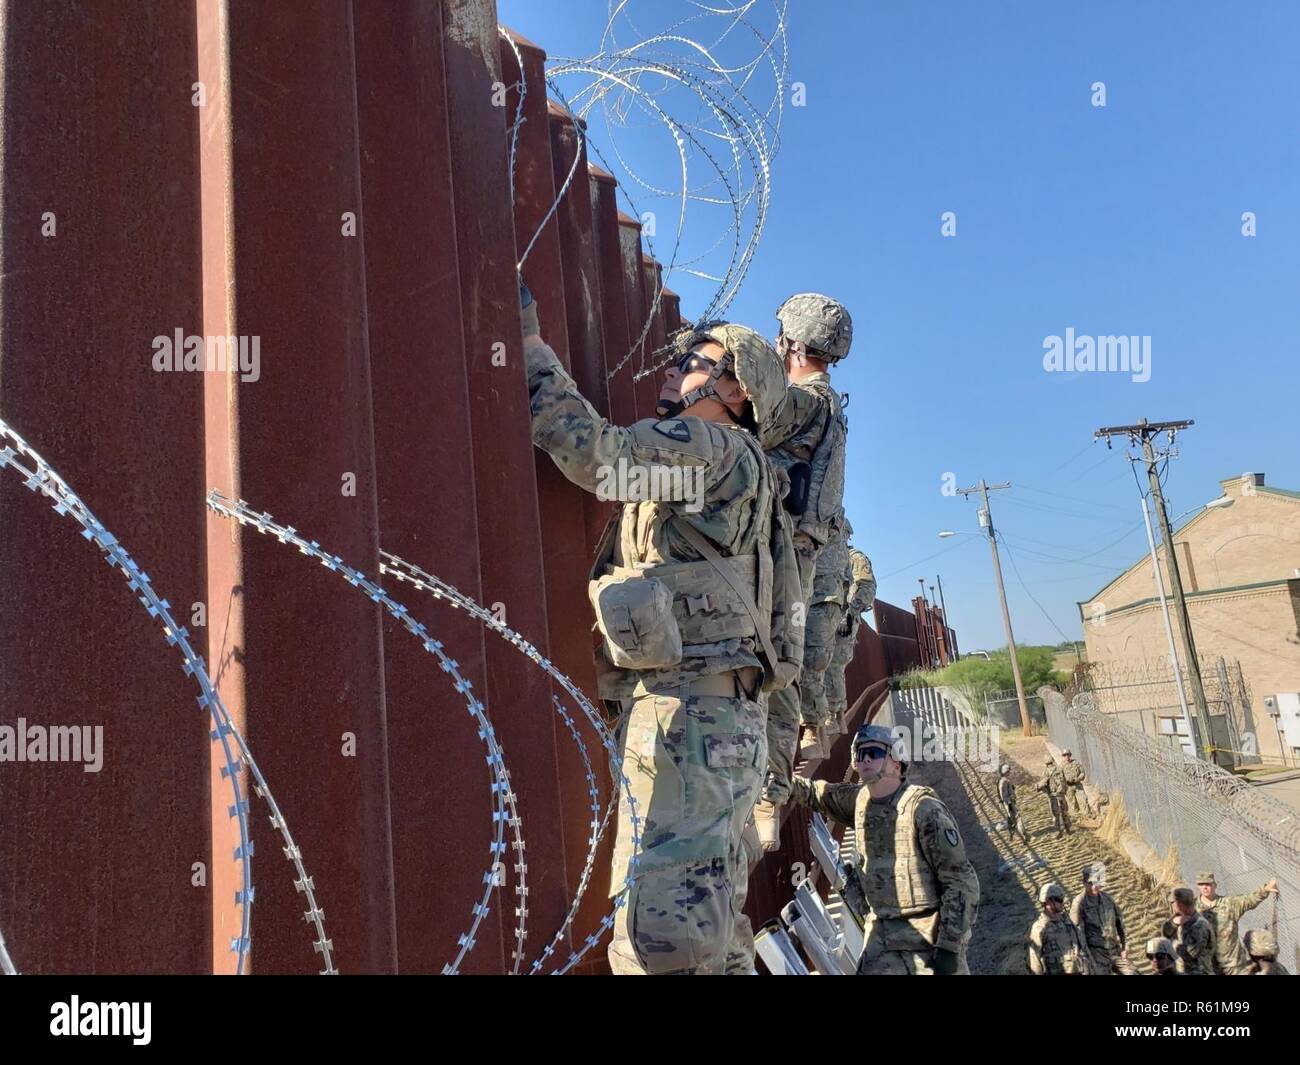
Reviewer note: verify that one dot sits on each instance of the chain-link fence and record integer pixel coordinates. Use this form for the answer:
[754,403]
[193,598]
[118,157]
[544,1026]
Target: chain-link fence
[1002,708]
[1193,814]
[1144,695]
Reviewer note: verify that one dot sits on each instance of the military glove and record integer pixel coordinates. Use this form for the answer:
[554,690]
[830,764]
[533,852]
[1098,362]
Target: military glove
[528,312]
[846,626]
[944,963]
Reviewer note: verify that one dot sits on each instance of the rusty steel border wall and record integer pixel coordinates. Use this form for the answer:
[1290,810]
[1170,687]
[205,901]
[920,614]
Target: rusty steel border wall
[360,225]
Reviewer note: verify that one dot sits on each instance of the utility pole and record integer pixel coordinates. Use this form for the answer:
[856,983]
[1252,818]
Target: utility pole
[1142,433]
[986,520]
[944,607]
[1169,628]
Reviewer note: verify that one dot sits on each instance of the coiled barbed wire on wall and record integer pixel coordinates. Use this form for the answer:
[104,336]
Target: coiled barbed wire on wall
[38,476]
[698,79]
[505,813]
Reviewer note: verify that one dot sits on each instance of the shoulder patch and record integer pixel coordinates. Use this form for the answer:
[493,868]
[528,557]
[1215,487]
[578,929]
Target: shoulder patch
[674,429]
[950,834]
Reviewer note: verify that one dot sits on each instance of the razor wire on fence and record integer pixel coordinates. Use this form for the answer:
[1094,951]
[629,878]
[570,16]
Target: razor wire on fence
[1193,814]
[1147,693]
[689,68]
[40,477]
[737,140]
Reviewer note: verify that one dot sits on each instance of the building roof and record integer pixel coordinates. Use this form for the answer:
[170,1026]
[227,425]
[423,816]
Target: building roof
[1232,486]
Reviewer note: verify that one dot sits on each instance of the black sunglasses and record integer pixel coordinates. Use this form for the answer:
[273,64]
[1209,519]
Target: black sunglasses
[693,362]
[874,753]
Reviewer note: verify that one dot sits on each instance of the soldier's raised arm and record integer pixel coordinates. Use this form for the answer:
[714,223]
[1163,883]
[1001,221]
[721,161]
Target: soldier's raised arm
[836,801]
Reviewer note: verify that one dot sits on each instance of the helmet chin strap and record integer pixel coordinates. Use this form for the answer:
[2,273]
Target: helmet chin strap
[708,390]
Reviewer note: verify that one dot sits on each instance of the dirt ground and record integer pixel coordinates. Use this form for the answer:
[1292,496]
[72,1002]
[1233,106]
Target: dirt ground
[1009,892]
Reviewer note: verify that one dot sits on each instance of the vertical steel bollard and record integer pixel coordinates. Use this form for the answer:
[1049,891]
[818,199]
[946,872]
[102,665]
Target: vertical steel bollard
[613,302]
[99,232]
[513,582]
[441,806]
[563,506]
[283,262]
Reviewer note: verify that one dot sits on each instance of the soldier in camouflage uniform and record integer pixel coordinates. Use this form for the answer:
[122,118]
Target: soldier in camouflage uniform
[1054,785]
[1261,946]
[1007,796]
[1055,945]
[1223,912]
[1161,954]
[805,439]
[1099,920]
[825,617]
[687,652]
[921,889]
[1191,934]
[1073,774]
[859,597]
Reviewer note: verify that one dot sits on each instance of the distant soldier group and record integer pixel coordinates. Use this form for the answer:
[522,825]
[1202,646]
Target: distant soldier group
[1199,939]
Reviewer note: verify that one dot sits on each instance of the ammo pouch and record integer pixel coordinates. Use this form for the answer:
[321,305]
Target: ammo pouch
[635,615]
[703,607]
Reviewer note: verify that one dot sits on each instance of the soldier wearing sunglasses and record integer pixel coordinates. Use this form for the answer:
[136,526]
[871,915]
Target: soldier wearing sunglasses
[694,600]
[913,869]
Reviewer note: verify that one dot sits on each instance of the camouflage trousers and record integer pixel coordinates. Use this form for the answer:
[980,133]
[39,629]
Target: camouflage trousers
[1078,800]
[1015,823]
[784,716]
[1106,961]
[694,765]
[1059,813]
[888,954]
[837,698]
[818,649]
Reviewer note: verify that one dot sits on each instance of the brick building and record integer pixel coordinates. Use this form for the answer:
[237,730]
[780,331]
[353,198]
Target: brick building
[1240,565]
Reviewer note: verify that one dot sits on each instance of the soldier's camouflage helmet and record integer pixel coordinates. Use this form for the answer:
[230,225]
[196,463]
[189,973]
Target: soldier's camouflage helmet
[881,734]
[1051,891]
[1066,753]
[819,323]
[1094,873]
[1160,945]
[752,359]
[1261,943]
[1004,769]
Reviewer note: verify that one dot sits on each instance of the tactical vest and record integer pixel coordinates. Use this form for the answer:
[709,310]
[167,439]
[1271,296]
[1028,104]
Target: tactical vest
[1059,946]
[1099,920]
[706,606]
[1072,772]
[897,880]
[823,517]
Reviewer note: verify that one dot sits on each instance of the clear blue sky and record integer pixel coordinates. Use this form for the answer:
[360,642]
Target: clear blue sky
[1117,220]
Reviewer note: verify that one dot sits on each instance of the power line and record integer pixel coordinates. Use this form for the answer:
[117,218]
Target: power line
[942,551]
[1016,569]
